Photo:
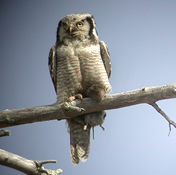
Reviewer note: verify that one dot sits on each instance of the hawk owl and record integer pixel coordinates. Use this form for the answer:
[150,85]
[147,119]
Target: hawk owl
[80,67]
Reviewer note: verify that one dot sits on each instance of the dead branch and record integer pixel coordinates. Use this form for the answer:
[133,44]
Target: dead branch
[159,110]
[26,166]
[4,133]
[147,95]
[8,118]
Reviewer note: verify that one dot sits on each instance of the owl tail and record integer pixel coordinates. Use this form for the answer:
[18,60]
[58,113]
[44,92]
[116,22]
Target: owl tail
[79,140]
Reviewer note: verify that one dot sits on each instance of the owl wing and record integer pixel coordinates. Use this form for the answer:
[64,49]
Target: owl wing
[52,65]
[105,57]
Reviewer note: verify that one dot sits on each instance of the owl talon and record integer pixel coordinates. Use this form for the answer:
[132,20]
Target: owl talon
[85,127]
[68,107]
[70,99]
[77,96]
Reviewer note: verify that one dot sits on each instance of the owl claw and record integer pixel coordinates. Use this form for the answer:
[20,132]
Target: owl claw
[68,107]
[77,96]
[85,127]
[70,99]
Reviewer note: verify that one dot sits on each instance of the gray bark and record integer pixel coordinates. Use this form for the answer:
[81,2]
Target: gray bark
[24,165]
[58,111]
[149,95]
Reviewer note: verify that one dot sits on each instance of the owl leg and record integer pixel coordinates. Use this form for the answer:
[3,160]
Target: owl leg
[97,92]
[77,96]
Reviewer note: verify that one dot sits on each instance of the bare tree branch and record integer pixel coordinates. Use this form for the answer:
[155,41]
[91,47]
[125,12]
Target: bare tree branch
[4,133]
[163,114]
[158,109]
[8,118]
[26,166]
[56,111]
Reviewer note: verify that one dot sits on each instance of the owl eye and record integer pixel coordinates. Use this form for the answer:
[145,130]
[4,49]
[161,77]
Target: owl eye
[79,24]
[65,26]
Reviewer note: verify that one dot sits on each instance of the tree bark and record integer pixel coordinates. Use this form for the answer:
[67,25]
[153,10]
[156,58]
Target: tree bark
[149,95]
[58,111]
[24,165]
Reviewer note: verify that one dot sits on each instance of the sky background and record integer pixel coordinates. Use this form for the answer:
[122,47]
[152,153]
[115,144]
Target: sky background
[141,36]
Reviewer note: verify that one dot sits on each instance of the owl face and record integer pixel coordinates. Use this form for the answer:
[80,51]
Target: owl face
[76,26]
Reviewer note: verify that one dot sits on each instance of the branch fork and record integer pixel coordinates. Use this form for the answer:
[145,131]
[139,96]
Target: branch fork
[149,95]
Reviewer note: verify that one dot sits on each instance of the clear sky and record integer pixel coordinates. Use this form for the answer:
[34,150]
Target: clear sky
[141,36]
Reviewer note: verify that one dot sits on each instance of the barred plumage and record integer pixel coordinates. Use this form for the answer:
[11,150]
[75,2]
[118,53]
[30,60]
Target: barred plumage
[80,64]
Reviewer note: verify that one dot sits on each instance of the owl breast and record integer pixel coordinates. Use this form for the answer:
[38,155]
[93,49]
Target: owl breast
[78,68]
[91,67]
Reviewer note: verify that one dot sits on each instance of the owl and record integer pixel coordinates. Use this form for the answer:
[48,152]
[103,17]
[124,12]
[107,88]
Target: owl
[80,67]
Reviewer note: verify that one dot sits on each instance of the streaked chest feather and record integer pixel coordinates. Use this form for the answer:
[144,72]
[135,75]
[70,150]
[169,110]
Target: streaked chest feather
[77,50]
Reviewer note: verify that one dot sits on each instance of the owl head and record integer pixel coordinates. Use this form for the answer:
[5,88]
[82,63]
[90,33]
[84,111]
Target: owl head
[77,26]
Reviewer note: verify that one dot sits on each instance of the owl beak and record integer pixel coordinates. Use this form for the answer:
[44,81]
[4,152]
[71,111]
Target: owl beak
[70,29]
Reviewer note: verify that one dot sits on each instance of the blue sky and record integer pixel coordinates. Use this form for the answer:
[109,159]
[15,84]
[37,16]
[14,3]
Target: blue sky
[141,37]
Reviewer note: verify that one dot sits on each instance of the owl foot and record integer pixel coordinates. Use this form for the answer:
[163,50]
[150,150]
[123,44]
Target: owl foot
[68,107]
[77,96]
[96,92]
